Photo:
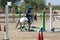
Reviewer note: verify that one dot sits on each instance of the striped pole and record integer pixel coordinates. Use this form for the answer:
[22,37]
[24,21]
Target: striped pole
[6,33]
[51,17]
[43,19]
[6,11]
[51,21]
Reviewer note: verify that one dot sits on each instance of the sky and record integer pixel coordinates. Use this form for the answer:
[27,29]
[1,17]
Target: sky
[53,2]
[19,2]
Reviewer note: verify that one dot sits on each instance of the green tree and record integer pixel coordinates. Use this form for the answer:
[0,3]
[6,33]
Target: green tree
[37,4]
[4,2]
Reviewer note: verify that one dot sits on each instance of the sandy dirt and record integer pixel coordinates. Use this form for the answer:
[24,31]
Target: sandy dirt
[16,34]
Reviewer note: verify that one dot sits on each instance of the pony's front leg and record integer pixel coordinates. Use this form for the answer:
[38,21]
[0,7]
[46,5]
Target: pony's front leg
[22,27]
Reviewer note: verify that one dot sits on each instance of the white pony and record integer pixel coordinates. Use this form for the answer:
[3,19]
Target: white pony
[23,21]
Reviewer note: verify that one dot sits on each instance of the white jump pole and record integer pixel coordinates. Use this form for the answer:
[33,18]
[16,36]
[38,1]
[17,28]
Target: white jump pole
[6,12]
[51,21]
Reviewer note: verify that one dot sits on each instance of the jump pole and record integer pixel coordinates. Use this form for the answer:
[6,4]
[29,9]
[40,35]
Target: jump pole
[43,19]
[6,12]
[51,21]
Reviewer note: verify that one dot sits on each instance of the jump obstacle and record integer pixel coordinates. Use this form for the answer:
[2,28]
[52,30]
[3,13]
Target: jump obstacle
[6,28]
[43,23]
[51,21]
[6,11]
